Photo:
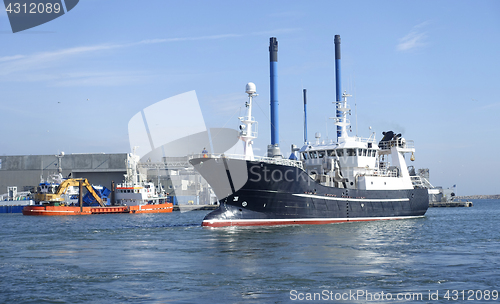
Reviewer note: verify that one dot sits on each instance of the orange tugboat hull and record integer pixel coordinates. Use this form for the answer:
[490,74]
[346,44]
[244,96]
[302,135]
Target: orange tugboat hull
[159,208]
[73,210]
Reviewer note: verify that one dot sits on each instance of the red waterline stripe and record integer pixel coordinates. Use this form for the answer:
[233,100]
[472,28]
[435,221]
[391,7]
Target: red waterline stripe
[209,223]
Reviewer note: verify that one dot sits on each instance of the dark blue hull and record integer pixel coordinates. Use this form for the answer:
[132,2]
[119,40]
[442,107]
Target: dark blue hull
[259,193]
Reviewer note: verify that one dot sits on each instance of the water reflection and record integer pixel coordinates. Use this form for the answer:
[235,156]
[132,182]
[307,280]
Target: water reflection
[327,256]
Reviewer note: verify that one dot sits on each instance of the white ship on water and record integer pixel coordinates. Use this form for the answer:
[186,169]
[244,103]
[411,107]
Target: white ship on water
[135,189]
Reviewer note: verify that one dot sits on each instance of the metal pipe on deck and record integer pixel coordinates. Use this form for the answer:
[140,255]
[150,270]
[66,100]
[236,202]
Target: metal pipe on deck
[305,116]
[113,197]
[80,194]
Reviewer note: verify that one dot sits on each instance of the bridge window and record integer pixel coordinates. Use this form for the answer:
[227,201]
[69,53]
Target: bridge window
[364,152]
[351,152]
[321,154]
[313,154]
[331,152]
[304,155]
[340,152]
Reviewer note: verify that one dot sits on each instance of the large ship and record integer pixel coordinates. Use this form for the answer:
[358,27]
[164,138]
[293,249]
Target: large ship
[352,179]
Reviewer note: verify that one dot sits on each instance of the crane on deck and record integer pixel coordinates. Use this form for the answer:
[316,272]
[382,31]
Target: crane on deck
[63,187]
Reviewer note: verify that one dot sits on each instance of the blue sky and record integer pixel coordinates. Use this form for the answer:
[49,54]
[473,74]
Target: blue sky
[427,69]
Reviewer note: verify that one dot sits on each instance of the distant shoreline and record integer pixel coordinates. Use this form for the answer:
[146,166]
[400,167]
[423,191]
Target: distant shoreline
[494,196]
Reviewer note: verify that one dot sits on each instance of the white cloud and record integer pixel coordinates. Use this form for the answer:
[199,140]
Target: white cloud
[38,66]
[99,79]
[10,58]
[20,63]
[490,106]
[415,39]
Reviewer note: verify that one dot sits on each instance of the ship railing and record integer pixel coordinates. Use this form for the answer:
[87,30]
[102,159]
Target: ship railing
[164,165]
[388,173]
[248,119]
[421,182]
[400,142]
[367,140]
[383,173]
[252,133]
[364,139]
[280,161]
[20,196]
[370,139]
[417,182]
[264,159]
[127,185]
[343,122]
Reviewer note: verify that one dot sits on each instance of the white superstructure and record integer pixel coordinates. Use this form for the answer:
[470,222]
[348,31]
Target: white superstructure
[359,163]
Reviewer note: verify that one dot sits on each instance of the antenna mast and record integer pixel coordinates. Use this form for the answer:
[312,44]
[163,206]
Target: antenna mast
[247,133]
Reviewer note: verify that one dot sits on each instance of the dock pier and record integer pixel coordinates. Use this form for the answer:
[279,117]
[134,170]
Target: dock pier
[451,204]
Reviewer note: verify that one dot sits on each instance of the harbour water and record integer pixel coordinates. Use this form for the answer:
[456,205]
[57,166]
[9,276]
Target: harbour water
[447,256]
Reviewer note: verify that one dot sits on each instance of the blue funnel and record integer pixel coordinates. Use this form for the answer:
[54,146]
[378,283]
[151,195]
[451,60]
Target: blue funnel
[273,58]
[338,86]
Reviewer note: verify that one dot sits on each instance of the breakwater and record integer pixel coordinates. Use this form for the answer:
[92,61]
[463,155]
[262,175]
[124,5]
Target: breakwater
[469,197]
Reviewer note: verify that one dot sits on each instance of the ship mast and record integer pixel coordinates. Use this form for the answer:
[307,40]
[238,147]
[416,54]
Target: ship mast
[247,132]
[342,121]
[132,176]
